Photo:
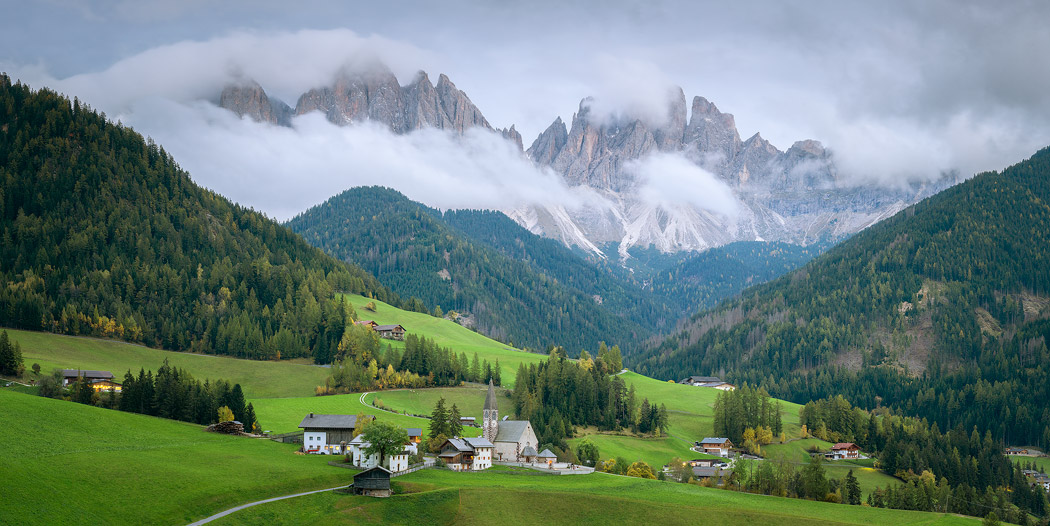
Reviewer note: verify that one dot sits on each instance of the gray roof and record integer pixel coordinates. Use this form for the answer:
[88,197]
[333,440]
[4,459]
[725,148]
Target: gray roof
[710,472]
[74,373]
[511,430]
[547,454]
[316,421]
[388,327]
[700,379]
[460,445]
[528,451]
[415,432]
[490,398]
[478,442]
[716,440]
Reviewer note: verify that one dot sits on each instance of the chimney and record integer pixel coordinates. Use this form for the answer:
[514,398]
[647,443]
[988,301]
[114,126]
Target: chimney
[311,415]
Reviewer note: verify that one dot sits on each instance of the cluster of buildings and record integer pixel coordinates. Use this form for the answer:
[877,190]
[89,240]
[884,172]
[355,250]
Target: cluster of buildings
[502,440]
[1038,478]
[713,382]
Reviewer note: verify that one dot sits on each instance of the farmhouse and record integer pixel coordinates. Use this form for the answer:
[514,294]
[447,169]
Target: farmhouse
[390,332]
[707,381]
[415,435]
[99,380]
[468,421]
[716,446]
[513,439]
[393,461]
[716,475]
[845,450]
[373,482]
[467,454]
[325,434]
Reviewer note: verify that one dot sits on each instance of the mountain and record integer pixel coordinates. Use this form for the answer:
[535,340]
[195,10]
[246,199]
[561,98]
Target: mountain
[102,234]
[499,278]
[373,95]
[942,312]
[795,196]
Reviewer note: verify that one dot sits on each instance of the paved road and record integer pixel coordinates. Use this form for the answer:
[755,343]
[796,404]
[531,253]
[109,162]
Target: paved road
[250,504]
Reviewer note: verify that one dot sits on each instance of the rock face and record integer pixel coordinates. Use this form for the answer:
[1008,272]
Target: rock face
[373,95]
[250,99]
[794,196]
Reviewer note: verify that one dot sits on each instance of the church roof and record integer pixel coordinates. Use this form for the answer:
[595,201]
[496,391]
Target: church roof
[547,454]
[490,398]
[511,430]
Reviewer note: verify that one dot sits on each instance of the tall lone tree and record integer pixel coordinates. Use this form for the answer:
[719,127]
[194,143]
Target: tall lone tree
[384,439]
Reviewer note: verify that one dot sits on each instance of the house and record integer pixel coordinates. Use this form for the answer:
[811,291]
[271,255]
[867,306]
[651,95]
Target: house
[390,332]
[468,421]
[415,435]
[717,476]
[394,462]
[510,438]
[716,446]
[707,381]
[373,482]
[467,454]
[326,434]
[1038,478]
[367,323]
[845,450]
[547,457]
[99,380]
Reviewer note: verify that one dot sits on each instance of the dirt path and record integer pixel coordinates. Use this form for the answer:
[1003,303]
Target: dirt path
[256,503]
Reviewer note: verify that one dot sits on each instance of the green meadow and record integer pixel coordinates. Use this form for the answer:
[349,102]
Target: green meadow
[447,334]
[436,497]
[259,379]
[67,463]
[469,399]
[1043,462]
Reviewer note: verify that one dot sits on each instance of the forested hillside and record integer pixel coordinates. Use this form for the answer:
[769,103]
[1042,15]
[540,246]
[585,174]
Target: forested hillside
[101,233]
[939,312]
[417,254]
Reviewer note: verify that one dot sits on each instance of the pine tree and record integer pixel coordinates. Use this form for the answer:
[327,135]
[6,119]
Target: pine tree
[439,420]
[852,489]
[455,425]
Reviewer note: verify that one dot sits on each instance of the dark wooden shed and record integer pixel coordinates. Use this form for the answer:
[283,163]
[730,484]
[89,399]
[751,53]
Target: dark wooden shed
[373,482]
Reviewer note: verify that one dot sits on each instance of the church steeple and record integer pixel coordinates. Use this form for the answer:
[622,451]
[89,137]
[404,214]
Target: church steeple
[490,415]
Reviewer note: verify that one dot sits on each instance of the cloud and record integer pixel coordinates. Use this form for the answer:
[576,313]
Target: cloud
[671,180]
[626,88]
[283,171]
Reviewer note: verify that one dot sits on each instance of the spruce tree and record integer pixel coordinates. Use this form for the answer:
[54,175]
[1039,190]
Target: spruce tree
[852,489]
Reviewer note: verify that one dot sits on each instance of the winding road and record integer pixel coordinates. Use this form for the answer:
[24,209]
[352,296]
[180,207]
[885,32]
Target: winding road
[256,503]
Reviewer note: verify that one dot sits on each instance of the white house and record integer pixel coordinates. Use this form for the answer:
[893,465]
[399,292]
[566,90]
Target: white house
[325,434]
[467,454]
[394,462]
[845,450]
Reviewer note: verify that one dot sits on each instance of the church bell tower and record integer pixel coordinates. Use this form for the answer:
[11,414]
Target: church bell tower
[490,416]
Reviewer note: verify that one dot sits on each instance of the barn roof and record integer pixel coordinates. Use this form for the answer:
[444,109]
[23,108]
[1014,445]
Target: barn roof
[714,440]
[414,431]
[388,327]
[313,420]
[478,442]
[76,373]
[845,445]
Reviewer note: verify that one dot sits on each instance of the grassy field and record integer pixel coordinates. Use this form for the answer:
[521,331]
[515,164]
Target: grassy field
[282,415]
[259,379]
[653,451]
[446,498]
[67,463]
[469,399]
[796,452]
[448,334]
[1043,462]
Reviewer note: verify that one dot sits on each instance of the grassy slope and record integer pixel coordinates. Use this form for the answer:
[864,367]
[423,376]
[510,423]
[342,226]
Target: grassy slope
[1039,461]
[796,452]
[449,334]
[495,495]
[469,399]
[259,379]
[68,463]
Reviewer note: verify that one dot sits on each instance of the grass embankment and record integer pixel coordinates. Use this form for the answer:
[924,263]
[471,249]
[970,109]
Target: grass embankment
[67,463]
[447,334]
[493,496]
[258,379]
[1043,462]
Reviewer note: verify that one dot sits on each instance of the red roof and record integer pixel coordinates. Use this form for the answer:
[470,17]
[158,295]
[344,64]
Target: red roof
[845,445]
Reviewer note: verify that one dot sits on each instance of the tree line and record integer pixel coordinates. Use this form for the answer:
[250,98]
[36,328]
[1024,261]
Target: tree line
[558,393]
[171,393]
[362,364]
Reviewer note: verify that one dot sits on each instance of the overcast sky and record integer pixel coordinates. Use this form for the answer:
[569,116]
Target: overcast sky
[898,90]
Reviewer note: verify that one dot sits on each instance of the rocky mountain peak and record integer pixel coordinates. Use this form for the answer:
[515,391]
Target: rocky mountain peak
[247,97]
[809,147]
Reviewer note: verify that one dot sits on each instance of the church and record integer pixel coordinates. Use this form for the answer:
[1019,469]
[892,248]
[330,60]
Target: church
[514,440]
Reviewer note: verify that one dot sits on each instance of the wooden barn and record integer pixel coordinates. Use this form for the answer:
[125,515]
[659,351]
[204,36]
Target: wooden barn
[390,332]
[373,482]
